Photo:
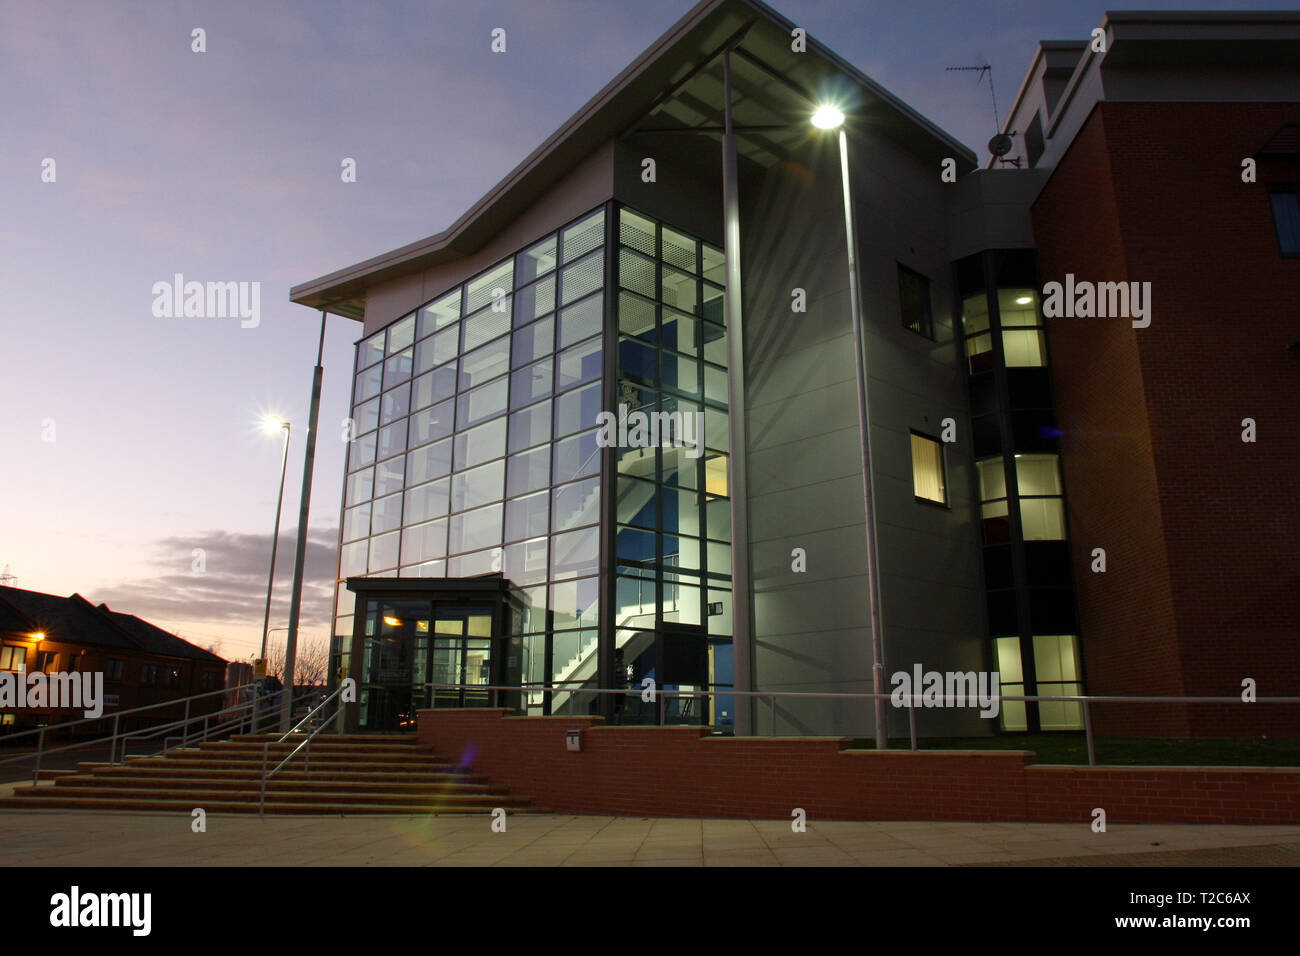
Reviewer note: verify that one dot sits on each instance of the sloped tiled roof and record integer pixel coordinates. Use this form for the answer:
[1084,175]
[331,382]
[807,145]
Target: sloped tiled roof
[74,619]
[158,641]
[66,619]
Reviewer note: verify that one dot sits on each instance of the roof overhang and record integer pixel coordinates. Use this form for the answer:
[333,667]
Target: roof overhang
[775,78]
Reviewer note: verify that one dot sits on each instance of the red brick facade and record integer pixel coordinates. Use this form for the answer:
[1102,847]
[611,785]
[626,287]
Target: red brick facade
[1199,527]
[684,771]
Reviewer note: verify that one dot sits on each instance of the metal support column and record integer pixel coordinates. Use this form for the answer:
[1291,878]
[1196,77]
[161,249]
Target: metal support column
[864,425]
[741,596]
[295,606]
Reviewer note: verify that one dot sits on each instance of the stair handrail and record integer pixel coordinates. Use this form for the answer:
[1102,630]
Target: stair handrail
[266,747]
[116,735]
[145,733]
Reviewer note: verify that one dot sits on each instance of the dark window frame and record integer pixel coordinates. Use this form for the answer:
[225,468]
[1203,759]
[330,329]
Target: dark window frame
[926,322]
[1291,189]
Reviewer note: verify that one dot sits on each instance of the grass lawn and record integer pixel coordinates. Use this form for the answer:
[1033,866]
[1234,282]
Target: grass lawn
[1072,748]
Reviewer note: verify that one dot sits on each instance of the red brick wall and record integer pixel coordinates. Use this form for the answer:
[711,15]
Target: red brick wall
[683,771]
[1199,528]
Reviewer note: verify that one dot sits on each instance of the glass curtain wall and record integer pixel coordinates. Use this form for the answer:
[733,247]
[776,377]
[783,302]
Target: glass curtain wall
[672,584]
[472,448]
[1039,659]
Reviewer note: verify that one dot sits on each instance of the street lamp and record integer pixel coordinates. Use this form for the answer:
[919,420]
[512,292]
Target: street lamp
[272,424]
[828,117]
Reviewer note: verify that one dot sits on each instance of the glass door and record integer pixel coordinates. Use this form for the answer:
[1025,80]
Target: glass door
[393,634]
[461,654]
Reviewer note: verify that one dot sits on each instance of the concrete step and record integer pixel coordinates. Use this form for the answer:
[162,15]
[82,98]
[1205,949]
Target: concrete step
[59,802]
[319,744]
[201,797]
[202,772]
[322,766]
[277,783]
[255,756]
[362,739]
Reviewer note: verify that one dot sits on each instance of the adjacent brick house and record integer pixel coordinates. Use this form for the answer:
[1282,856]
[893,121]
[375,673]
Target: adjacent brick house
[142,664]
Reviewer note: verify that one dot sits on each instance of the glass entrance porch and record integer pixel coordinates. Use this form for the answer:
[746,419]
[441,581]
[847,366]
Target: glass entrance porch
[415,637]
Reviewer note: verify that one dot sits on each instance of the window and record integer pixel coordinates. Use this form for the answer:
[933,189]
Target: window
[914,298]
[993,501]
[148,675]
[113,668]
[928,482]
[1286,218]
[1056,672]
[171,676]
[45,661]
[73,661]
[13,658]
[1042,509]
[1022,332]
[1034,141]
[208,681]
[1023,345]
[1056,666]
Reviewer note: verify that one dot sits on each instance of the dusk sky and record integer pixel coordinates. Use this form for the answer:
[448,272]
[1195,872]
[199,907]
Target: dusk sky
[131,439]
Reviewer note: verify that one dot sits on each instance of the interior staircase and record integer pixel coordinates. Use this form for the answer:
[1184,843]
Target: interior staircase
[358,773]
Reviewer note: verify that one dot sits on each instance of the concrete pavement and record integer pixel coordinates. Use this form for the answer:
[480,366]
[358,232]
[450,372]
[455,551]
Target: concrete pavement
[73,838]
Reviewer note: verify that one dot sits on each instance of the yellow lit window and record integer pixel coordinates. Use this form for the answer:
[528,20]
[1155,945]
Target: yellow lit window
[927,469]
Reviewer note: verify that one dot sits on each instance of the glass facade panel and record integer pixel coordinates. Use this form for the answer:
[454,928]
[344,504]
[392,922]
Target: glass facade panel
[427,501]
[482,409]
[478,486]
[582,320]
[481,403]
[439,314]
[536,260]
[532,342]
[475,529]
[430,461]
[529,426]
[433,387]
[579,364]
[480,444]
[530,383]
[485,364]
[495,284]
[527,517]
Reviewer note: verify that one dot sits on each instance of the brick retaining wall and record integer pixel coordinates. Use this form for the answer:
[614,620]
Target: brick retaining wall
[684,771]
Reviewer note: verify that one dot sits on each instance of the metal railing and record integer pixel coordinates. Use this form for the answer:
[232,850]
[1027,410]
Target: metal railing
[118,736]
[40,732]
[266,747]
[912,702]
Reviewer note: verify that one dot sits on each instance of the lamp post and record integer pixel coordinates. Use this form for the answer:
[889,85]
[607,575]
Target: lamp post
[300,558]
[276,424]
[272,424]
[829,118]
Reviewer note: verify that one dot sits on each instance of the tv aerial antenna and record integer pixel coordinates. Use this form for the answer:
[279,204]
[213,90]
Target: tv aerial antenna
[1001,143]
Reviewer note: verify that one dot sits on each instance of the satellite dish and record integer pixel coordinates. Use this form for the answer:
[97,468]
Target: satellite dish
[1001,144]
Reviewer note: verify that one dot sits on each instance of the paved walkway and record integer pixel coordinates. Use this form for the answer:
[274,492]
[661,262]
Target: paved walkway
[75,838]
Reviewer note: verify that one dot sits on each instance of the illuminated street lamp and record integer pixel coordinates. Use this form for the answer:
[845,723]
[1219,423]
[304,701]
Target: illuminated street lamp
[828,117]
